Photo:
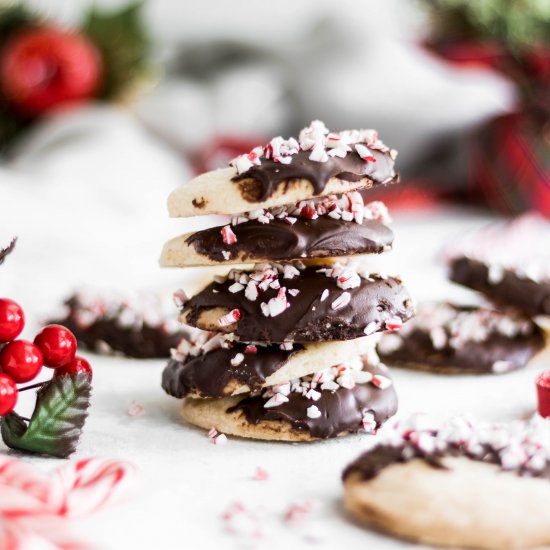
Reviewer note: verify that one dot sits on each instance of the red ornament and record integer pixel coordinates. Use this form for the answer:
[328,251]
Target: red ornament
[78,365]
[58,345]
[543,393]
[42,68]
[12,320]
[8,394]
[21,360]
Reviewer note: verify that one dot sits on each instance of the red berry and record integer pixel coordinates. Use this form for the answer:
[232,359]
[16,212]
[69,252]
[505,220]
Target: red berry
[44,67]
[21,360]
[78,365]
[58,345]
[12,320]
[8,394]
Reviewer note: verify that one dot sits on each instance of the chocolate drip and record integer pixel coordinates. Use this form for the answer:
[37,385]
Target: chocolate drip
[512,290]
[341,410]
[308,319]
[211,373]
[260,182]
[371,463]
[278,240]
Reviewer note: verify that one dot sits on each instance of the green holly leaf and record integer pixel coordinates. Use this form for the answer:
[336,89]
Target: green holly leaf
[56,423]
[4,252]
[124,44]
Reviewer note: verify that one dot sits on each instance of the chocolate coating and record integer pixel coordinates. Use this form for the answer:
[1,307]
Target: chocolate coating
[209,374]
[341,411]
[260,182]
[146,342]
[372,462]
[417,350]
[512,290]
[278,240]
[308,319]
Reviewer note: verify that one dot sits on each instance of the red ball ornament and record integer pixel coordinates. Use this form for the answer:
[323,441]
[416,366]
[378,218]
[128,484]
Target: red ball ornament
[21,360]
[78,365]
[43,67]
[8,394]
[12,320]
[58,345]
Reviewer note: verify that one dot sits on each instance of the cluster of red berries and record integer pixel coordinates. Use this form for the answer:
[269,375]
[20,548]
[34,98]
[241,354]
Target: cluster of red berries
[21,360]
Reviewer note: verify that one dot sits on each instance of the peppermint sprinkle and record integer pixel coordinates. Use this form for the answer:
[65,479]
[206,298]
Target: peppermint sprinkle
[228,236]
[237,360]
[342,301]
[232,317]
[313,412]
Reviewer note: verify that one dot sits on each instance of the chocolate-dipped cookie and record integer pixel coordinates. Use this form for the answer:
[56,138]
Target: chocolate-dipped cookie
[334,402]
[456,339]
[456,484]
[319,163]
[221,366]
[294,303]
[333,226]
[134,325]
[508,262]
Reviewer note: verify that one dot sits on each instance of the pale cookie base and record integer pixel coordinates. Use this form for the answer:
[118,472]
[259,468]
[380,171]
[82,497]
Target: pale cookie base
[177,253]
[313,358]
[476,505]
[212,413]
[214,193]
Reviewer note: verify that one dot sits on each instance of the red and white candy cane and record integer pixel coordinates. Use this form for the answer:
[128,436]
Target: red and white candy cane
[91,484]
[76,489]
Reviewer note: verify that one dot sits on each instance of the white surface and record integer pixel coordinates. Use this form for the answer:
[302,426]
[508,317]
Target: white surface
[187,483]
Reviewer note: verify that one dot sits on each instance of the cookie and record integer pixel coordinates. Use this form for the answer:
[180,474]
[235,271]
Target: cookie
[333,402]
[309,229]
[134,325]
[318,164]
[459,485]
[508,262]
[456,339]
[229,368]
[276,303]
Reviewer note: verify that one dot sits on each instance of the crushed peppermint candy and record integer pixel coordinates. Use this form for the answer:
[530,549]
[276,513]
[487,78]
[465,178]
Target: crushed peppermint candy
[349,207]
[216,437]
[452,327]
[522,447]
[229,318]
[228,236]
[313,412]
[342,301]
[260,474]
[237,360]
[322,143]
[346,375]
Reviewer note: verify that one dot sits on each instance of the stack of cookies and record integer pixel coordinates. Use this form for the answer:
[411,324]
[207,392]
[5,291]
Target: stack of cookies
[285,348]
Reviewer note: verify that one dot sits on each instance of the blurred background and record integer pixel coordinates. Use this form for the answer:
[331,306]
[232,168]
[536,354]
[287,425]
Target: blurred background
[106,106]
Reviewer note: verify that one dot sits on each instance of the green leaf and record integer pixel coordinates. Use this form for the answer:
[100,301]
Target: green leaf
[56,423]
[124,44]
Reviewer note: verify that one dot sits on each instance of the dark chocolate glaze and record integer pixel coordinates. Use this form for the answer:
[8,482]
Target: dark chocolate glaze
[146,343]
[341,410]
[278,240]
[260,182]
[525,294]
[308,319]
[471,357]
[372,462]
[208,375]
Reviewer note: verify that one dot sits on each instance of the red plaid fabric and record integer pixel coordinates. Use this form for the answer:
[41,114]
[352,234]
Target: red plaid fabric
[511,163]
